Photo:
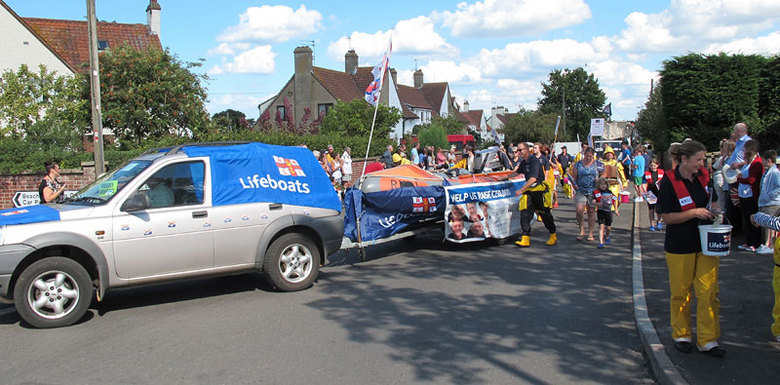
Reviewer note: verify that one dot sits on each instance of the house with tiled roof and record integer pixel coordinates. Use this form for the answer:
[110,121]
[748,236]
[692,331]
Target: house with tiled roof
[476,121]
[499,117]
[63,45]
[312,91]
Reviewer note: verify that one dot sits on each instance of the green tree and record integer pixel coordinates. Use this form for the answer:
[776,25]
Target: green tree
[769,104]
[450,124]
[651,121]
[704,95]
[148,94]
[42,107]
[354,118]
[230,120]
[531,126]
[581,94]
[433,135]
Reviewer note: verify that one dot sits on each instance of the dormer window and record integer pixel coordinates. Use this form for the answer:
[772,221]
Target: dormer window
[102,45]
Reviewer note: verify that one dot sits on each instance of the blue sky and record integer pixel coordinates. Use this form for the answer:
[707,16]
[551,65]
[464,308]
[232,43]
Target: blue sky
[492,52]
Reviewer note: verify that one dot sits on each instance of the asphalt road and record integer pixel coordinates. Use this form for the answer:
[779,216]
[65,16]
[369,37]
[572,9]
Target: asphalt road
[416,311]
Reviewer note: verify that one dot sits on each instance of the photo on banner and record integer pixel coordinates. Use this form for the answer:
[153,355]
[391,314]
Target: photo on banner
[475,212]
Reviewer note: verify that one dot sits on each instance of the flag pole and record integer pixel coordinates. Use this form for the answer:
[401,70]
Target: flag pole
[383,68]
[370,135]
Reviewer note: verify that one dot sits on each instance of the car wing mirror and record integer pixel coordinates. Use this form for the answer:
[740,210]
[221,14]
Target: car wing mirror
[136,202]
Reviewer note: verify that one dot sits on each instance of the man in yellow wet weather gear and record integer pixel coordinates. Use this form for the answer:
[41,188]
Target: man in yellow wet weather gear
[535,196]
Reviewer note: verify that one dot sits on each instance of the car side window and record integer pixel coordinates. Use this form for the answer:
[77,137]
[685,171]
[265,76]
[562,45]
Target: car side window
[177,184]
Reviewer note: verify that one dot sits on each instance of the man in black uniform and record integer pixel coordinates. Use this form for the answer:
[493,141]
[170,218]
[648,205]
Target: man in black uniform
[565,159]
[535,196]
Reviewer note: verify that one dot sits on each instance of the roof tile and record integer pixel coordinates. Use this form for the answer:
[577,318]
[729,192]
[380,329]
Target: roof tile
[70,40]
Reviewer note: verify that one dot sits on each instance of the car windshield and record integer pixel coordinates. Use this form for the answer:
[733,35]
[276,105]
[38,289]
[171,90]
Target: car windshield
[105,187]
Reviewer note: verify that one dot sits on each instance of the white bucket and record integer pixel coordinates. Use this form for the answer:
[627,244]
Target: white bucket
[715,239]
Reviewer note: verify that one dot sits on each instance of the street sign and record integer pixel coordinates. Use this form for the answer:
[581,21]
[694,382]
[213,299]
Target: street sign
[26,198]
[597,127]
[29,198]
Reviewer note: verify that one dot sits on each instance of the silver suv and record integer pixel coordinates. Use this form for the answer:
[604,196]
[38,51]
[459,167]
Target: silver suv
[189,211]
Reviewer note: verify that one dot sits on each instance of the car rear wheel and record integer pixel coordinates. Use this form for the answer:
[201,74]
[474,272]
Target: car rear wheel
[53,292]
[292,262]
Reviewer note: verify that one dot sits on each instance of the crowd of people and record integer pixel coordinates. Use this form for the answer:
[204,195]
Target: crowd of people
[742,182]
[337,166]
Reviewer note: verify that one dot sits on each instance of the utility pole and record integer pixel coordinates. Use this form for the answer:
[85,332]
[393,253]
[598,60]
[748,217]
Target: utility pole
[94,76]
[563,108]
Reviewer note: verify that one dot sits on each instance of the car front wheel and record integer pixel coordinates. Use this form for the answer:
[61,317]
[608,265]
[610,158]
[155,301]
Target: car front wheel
[53,292]
[292,262]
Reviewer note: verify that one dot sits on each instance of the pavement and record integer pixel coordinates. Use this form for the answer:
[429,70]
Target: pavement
[746,297]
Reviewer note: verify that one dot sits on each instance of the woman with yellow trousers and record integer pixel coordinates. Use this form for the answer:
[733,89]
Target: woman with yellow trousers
[684,196]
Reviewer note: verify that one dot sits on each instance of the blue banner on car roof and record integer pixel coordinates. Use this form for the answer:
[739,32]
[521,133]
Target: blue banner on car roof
[28,214]
[258,172]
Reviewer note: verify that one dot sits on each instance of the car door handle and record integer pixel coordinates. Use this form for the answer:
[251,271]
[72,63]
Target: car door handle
[200,214]
[275,206]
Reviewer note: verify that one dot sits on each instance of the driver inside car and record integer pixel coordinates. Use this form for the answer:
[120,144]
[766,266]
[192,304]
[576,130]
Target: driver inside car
[160,195]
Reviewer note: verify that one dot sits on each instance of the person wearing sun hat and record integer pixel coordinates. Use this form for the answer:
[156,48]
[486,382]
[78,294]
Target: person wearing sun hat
[613,172]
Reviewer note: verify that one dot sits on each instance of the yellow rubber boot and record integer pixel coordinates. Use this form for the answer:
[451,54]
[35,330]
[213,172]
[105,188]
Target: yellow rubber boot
[552,240]
[524,241]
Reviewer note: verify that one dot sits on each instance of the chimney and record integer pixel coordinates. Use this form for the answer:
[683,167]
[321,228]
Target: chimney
[303,61]
[465,106]
[302,81]
[153,17]
[351,62]
[394,74]
[418,79]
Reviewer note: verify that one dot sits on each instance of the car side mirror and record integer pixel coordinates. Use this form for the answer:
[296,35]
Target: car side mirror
[136,202]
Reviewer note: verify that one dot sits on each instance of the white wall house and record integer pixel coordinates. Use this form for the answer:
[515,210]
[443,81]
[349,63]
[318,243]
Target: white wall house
[20,45]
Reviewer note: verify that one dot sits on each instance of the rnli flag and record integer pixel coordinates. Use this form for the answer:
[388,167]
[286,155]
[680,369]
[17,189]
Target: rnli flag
[374,88]
[423,204]
[288,167]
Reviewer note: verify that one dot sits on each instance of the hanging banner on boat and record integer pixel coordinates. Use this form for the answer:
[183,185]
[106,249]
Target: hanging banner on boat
[385,213]
[478,211]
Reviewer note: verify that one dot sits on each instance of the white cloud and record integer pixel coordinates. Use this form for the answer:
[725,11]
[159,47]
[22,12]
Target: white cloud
[449,71]
[647,33]
[763,45]
[241,102]
[613,72]
[691,25]
[272,24]
[229,48]
[501,18]
[258,60]
[410,37]
[516,59]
